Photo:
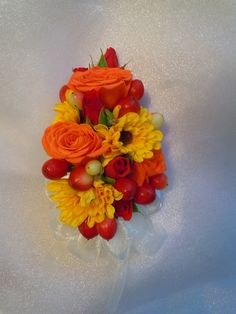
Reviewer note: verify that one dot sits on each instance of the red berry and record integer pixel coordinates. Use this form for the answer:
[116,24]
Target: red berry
[136,89]
[62,93]
[145,194]
[127,187]
[79,179]
[107,228]
[55,169]
[128,104]
[87,232]
[159,182]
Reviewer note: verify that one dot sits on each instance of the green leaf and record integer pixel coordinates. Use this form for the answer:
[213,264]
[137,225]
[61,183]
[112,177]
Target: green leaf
[110,117]
[124,66]
[109,114]
[102,61]
[102,117]
[108,180]
[135,208]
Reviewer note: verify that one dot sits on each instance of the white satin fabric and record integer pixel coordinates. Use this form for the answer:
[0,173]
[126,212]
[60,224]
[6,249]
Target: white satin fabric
[184,52]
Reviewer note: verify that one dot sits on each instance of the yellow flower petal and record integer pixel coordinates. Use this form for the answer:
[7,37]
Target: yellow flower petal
[101,129]
[116,111]
[67,111]
[93,205]
[143,136]
[86,197]
[110,211]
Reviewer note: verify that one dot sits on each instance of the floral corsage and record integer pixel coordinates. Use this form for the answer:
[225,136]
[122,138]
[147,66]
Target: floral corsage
[107,165]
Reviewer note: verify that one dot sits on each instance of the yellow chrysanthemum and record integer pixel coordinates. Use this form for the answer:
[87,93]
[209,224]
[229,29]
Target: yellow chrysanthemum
[133,134]
[68,110]
[77,206]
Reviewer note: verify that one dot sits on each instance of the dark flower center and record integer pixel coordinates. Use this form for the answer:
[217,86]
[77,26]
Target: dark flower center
[126,137]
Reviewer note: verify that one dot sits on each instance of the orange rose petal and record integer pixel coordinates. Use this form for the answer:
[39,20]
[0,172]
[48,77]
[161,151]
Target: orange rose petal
[149,167]
[138,173]
[111,83]
[72,141]
[157,164]
[110,97]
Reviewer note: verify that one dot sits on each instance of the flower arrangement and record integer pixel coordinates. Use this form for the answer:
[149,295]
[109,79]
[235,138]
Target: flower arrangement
[105,149]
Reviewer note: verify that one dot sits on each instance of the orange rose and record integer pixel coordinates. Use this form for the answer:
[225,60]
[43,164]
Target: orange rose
[71,141]
[111,83]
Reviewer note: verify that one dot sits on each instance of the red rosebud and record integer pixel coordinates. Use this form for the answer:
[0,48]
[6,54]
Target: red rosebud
[80,69]
[123,209]
[92,106]
[111,58]
[118,167]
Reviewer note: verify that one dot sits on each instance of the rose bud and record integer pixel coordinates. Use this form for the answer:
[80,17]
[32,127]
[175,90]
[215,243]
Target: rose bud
[123,209]
[80,69]
[92,106]
[111,58]
[118,167]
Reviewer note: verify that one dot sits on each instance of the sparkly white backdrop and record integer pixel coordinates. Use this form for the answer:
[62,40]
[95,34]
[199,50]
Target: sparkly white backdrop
[184,51]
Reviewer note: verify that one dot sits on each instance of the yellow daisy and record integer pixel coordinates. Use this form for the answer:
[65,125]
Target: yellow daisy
[133,134]
[68,110]
[77,206]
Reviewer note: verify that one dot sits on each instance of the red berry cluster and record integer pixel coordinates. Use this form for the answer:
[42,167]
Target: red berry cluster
[119,168]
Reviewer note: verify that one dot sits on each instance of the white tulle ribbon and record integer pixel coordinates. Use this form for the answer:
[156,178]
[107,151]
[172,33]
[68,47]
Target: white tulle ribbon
[136,234]
[119,245]
[145,239]
[61,231]
[84,249]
